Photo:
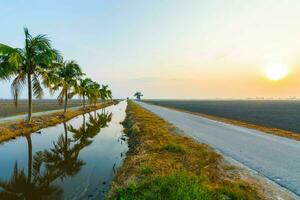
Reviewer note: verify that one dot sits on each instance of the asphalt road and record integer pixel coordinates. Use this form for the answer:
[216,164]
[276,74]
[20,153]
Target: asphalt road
[35,114]
[276,158]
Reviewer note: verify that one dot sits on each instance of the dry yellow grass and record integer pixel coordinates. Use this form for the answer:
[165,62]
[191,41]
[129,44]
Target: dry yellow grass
[155,150]
[21,127]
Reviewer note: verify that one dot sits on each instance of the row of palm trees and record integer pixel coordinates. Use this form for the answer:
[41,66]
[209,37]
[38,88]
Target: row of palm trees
[39,64]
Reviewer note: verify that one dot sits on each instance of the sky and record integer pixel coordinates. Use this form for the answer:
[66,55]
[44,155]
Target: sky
[182,49]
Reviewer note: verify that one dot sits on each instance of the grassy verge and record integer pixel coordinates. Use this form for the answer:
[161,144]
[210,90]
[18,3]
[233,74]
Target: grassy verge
[12,129]
[269,130]
[163,165]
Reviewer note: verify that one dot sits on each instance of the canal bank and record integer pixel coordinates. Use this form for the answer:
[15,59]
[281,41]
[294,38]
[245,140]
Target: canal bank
[162,164]
[10,130]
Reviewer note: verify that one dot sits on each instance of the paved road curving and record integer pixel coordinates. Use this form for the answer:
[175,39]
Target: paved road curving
[274,157]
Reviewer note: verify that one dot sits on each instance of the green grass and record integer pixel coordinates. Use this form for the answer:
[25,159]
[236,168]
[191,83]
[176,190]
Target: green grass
[146,170]
[178,186]
[175,148]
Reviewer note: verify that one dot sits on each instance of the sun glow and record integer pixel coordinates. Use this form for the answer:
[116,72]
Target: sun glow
[276,71]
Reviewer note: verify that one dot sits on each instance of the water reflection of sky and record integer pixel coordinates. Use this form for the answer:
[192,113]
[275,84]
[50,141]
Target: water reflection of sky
[100,158]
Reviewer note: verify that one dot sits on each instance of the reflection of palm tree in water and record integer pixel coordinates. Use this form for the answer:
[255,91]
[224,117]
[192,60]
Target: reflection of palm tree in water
[33,185]
[90,129]
[61,161]
[63,158]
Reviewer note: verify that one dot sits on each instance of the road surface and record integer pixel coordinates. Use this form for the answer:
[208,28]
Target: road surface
[276,158]
[35,114]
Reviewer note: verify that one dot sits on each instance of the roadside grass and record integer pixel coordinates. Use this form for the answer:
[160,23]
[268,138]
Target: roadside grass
[10,130]
[178,186]
[175,148]
[146,170]
[161,164]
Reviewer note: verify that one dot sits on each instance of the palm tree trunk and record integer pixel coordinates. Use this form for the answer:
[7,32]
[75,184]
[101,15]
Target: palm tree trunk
[66,138]
[83,121]
[29,98]
[29,173]
[66,100]
[84,102]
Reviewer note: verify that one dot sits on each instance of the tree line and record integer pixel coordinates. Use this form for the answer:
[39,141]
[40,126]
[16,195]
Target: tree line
[38,64]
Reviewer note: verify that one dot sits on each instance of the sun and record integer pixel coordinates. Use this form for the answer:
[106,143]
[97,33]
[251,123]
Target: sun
[276,71]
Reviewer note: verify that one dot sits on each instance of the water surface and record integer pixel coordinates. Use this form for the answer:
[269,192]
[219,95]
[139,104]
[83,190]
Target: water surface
[73,160]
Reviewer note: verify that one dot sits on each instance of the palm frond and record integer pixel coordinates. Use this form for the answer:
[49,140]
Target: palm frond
[37,88]
[16,87]
[61,96]
[10,60]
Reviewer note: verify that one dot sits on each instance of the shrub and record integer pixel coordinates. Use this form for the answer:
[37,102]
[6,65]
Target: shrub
[175,148]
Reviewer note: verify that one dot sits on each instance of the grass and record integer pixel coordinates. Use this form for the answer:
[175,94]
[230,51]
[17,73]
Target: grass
[175,148]
[146,170]
[179,186]
[7,107]
[20,127]
[161,164]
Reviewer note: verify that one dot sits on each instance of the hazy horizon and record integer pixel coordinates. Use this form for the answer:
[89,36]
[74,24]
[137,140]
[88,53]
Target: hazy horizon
[170,49]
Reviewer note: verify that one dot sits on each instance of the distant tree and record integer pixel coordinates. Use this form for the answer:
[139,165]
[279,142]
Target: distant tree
[32,62]
[138,95]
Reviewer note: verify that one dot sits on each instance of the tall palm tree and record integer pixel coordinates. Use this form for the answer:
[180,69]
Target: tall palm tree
[32,62]
[67,76]
[94,92]
[138,95]
[105,92]
[83,89]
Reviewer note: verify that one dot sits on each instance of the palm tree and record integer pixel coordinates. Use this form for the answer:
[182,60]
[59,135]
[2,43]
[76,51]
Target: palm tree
[83,89]
[105,92]
[94,92]
[32,62]
[138,95]
[66,77]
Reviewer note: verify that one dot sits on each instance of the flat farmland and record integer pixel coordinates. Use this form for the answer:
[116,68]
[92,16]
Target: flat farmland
[7,107]
[282,114]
